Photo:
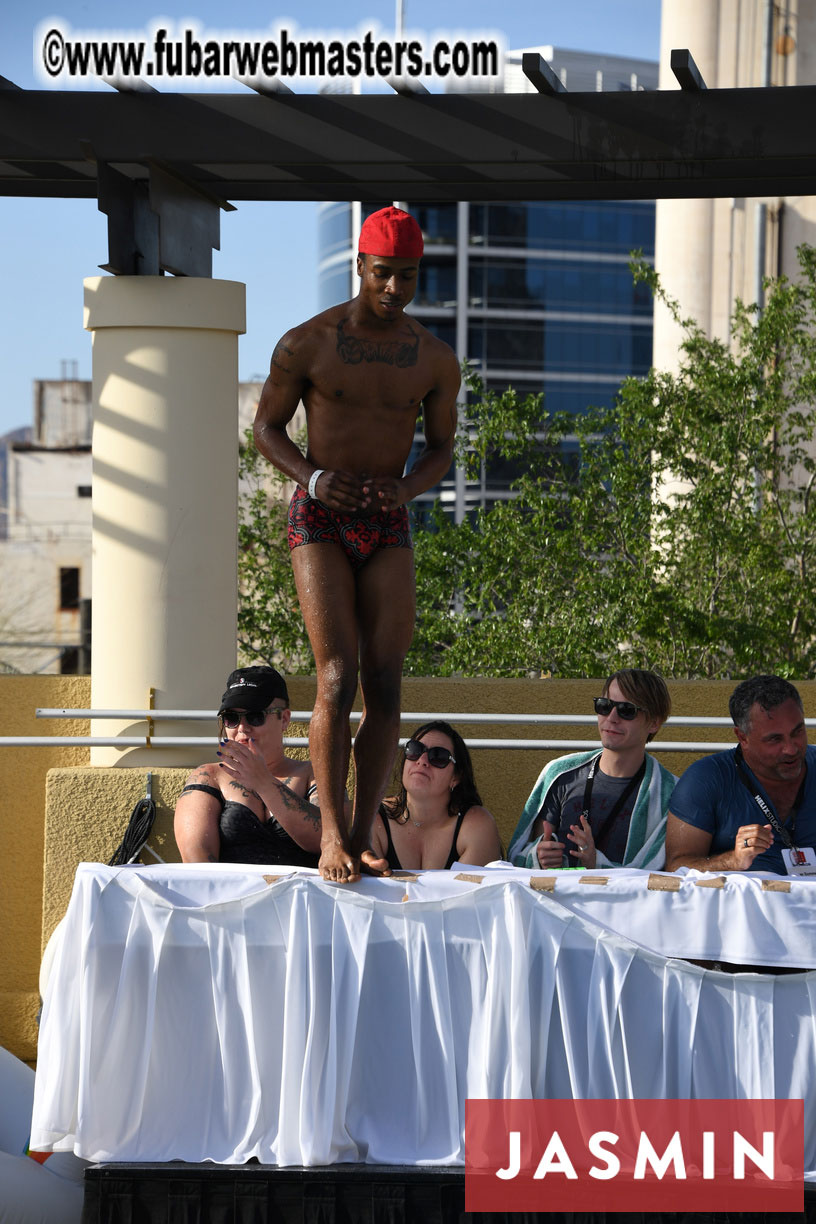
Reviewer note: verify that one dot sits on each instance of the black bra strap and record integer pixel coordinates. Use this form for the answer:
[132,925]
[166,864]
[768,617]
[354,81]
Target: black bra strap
[209,790]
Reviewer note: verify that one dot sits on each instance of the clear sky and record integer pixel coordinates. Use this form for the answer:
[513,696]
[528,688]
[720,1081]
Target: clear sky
[49,246]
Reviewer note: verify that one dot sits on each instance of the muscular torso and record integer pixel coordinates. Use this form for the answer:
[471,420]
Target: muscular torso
[364,391]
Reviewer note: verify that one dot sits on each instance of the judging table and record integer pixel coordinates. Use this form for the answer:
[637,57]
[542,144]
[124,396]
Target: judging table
[215,1012]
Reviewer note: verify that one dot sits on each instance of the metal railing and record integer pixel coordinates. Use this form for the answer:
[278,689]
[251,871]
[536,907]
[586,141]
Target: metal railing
[149,740]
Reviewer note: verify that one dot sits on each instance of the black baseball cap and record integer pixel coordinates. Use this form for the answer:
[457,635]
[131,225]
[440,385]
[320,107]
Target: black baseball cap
[253,688]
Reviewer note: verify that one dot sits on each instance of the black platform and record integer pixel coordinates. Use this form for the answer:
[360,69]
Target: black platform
[178,1193]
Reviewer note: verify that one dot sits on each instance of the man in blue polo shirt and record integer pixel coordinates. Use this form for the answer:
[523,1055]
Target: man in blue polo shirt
[752,808]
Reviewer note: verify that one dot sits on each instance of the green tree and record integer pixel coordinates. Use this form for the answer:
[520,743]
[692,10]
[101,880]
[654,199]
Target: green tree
[596,565]
[675,529]
[270,626]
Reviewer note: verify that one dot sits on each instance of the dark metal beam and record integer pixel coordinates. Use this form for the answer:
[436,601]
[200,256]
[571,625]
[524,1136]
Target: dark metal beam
[539,73]
[131,85]
[686,71]
[133,227]
[268,89]
[159,224]
[435,147]
[407,89]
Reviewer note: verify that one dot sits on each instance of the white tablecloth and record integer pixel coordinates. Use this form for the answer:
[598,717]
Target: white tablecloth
[223,1013]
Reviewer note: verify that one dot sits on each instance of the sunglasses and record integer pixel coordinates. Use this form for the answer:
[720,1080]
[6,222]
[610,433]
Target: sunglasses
[627,710]
[253,718]
[438,756]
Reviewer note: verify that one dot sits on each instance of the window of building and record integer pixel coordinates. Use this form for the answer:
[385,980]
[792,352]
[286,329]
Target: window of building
[333,286]
[517,344]
[443,331]
[436,285]
[612,349]
[591,346]
[438,222]
[69,588]
[334,228]
[610,226]
[577,397]
[83,490]
[558,284]
[69,661]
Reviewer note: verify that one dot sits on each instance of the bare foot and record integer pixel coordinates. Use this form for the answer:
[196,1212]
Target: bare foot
[338,865]
[372,865]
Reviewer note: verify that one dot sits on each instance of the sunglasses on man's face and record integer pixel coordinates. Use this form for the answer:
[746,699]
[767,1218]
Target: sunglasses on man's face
[438,756]
[253,718]
[627,710]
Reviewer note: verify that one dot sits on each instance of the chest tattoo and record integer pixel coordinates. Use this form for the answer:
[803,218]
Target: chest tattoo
[244,791]
[400,353]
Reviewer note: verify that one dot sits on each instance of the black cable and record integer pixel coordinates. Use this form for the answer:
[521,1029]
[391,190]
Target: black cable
[136,834]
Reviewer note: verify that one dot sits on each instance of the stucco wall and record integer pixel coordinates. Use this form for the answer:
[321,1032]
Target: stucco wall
[83,813]
[22,834]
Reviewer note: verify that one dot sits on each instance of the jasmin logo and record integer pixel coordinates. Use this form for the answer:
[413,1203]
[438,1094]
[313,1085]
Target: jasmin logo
[634,1155]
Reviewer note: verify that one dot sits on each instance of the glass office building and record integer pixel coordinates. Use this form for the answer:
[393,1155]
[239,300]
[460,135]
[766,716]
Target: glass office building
[534,295]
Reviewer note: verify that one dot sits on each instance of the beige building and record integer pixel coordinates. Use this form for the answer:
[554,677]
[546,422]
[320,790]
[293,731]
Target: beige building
[45,548]
[711,252]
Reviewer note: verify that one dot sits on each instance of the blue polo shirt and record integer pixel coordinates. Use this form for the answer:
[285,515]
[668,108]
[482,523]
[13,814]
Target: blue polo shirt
[711,796]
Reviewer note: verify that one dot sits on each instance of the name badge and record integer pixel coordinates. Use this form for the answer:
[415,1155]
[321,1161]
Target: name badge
[800,862]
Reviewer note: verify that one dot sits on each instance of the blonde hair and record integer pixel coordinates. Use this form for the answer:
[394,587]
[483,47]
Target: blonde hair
[645,688]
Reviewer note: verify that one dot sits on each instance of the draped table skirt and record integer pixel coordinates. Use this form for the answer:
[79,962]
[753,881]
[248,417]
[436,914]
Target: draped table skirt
[223,1013]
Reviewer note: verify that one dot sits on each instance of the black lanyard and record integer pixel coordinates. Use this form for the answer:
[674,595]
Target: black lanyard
[768,812]
[624,795]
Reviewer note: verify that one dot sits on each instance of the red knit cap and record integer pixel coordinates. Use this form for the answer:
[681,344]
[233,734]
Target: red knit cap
[391,232]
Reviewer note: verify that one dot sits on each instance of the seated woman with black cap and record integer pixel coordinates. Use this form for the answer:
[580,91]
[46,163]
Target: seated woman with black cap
[437,818]
[253,804]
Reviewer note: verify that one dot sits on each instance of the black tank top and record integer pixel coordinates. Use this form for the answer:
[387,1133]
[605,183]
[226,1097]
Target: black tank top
[391,854]
[246,839]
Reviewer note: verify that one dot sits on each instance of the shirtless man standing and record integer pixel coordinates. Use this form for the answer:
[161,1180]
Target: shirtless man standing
[365,372]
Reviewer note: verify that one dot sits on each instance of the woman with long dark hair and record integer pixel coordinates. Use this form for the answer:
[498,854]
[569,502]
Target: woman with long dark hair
[437,817]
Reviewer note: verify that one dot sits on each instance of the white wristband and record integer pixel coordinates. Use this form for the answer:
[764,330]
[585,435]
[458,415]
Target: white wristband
[313,479]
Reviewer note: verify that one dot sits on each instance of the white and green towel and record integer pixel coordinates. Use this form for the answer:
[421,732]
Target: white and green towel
[647,828]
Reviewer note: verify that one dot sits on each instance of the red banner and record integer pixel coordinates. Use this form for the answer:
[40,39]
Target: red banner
[634,1156]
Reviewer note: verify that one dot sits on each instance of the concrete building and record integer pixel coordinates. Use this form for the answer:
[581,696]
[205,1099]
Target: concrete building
[534,295]
[45,548]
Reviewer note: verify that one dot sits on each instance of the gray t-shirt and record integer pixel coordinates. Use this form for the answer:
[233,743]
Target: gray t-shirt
[564,803]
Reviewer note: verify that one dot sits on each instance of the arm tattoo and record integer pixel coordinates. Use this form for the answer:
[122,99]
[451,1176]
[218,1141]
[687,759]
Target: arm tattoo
[279,356]
[400,353]
[290,799]
[294,803]
[199,777]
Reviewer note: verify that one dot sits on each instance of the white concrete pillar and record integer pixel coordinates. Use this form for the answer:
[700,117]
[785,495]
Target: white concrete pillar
[684,228]
[804,31]
[165,442]
[797,67]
